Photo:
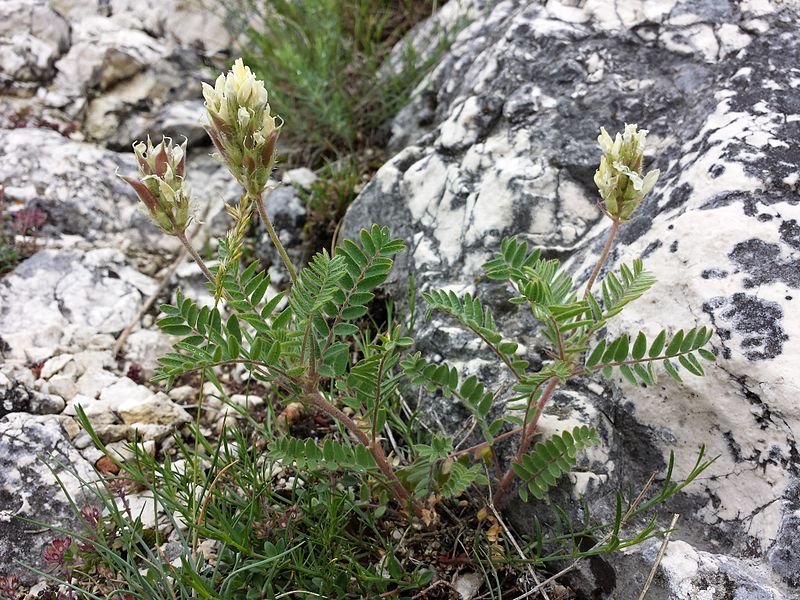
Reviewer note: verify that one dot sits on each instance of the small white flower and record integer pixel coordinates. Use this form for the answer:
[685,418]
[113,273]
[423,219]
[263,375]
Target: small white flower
[650,181]
[243,116]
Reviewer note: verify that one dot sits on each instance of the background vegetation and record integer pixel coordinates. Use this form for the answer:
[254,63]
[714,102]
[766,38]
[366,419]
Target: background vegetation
[323,63]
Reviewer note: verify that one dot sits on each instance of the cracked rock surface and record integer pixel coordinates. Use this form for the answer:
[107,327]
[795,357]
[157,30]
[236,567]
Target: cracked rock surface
[500,140]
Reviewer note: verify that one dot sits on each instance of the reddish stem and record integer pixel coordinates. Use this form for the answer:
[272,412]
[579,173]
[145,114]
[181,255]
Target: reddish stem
[400,493]
[525,441]
[606,249]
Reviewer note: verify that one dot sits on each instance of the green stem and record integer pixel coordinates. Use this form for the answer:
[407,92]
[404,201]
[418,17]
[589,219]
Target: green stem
[262,211]
[524,442]
[376,408]
[200,262]
[606,249]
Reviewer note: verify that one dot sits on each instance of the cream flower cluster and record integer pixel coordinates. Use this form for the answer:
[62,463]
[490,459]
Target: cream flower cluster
[619,178]
[241,125]
[161,186]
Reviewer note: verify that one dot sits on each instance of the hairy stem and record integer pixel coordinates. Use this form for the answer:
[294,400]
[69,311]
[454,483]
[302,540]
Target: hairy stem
[483,445]
[262,211]
[377,406]
[524,442]
[200,262]
[606,249]
[400,493]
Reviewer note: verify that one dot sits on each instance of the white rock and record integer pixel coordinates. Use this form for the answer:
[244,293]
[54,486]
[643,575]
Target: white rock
[93,359]
[122,451]
[97,411]
[31,490]
[302,177]
[63,289]
[102,54]
[150,432]
[145,346]
[123,392]
[467,585]
[182,394]
[54,365]
[62,385]
[157,409]
[92,454]
[69,425]
[247,401]
[142,506]
[94,380]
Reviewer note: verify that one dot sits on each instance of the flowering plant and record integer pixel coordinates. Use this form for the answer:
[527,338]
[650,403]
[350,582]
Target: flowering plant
[312,348]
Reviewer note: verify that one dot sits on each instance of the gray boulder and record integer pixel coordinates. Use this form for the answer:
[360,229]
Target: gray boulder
[500,140]
[69,298]
[106,71]
[35,453]
[32,37]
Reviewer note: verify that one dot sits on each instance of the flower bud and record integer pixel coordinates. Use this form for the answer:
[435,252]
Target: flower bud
[160,185]
[241,126]
[619,178]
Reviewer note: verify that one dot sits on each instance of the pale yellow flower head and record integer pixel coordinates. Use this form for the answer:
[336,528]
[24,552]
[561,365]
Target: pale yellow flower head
[161,186]
[620,178]
[241,126]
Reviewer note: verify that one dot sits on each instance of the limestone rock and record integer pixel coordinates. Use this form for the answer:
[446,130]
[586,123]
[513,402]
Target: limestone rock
[17,398]
[94,380]
[303,178]
[66,290]
[29,489]
[144,347]
[103,54]
[62,385]
[74,184]
[157,409]
[688,574]
[182,394]
[55,364]
[32,37]
[500,140]
[123,391]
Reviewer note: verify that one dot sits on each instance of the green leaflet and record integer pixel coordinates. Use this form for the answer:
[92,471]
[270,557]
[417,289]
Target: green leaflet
[542,466]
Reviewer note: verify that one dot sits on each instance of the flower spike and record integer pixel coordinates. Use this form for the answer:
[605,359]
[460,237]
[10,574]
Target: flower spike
[620,179]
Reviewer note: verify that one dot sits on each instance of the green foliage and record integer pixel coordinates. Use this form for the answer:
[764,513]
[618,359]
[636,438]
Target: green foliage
[314,509]
[330,294]
[331,456]
[268,540]
[618,292]
[471,313]
[540,468]
[435,471]
[543,285]
[322,61]
[471,392]
[10,256]
[635,362]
